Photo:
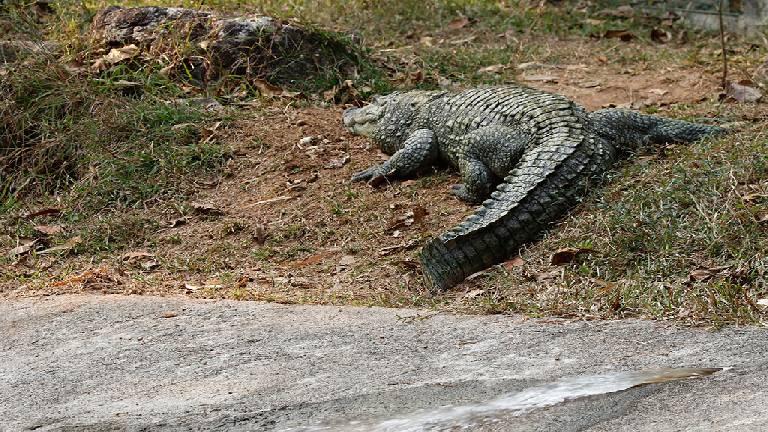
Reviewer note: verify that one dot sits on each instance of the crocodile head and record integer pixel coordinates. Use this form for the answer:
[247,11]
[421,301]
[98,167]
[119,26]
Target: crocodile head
[387,119]
[364,121]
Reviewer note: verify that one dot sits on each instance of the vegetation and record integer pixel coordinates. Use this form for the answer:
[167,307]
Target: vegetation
[123,157]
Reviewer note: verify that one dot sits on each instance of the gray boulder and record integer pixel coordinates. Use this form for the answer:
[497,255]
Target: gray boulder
[204,47]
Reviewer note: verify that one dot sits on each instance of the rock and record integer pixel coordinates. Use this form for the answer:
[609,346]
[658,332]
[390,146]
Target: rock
[117,26]
[210,47]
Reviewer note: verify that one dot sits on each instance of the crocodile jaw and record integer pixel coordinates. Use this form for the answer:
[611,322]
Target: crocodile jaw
[363,121]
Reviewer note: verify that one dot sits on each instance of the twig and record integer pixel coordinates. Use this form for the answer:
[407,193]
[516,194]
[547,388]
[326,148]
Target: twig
[722,44]
[267,201]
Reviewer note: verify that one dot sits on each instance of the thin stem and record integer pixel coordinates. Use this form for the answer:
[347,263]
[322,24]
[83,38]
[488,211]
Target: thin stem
[722,44]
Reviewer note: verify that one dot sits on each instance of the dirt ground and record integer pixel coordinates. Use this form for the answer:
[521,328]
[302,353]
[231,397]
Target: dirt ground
[286,224]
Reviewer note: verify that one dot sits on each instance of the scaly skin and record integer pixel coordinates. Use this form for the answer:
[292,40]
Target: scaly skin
[539,150]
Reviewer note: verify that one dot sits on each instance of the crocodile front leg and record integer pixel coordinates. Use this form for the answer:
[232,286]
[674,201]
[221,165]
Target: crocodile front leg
[419,151]
[489,155]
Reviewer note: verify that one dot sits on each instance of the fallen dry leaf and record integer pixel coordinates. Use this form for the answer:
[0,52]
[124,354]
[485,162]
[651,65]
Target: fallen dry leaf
[591,84]
[269,90]
[660,36]
[68,245]
[530,65]
[700,275]
[347,260]
[178,222]
[541,277]
[540,78]
[742,91]
[755,196]
[621,34]
[337,163]
[413,215]
[397,248]
[169,314]
[458,23]
[763,302]
[514,262]
[566,255]
[43,212]
[206,209]
[49,230]
[316,258]
[22,249]
[115,56]
[474,293]
[344,93]
[491,69]
[658,92]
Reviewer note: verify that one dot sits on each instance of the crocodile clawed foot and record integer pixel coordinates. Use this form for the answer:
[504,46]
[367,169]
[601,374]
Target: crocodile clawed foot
[364,175]
[461,192]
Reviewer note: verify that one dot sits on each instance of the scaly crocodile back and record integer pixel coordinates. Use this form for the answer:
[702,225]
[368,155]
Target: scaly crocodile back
[572,148]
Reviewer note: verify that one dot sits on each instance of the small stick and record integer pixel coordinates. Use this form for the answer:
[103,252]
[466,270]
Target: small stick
[722,44]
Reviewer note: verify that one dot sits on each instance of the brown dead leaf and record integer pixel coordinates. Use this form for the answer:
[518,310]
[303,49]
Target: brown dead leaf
[474,293]
[269,90]
[660,36]
[137,256]
[514,262]
[566,255]
[530,66]
[115,56]
[169,314]
[623,35]
[463,40]
[49,230]
[491,69]
[397,248]
[411,216]
[260,234]
[337,163]
[316,258]
[551,275]
[206,209]
[657,92]
[22,249]
[345,93]
[541,78]
[458,23]
[763,302]
[173,223]
[66,246]
[700,275]
[43,212]
[590,84]
[753,197]
[742,91]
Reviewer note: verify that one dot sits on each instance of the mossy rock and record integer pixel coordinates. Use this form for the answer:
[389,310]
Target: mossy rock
[203,47]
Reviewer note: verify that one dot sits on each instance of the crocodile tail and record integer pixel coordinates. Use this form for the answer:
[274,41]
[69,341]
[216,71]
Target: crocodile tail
[628,129]
[544,185]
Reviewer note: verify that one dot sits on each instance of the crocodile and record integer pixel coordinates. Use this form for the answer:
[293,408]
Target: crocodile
[527,156]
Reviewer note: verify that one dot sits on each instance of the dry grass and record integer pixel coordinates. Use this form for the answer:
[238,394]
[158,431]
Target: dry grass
[678,233]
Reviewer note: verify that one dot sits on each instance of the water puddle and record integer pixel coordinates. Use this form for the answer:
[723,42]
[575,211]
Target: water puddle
[465,417]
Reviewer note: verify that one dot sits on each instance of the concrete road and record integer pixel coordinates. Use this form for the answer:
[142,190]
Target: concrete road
[143,363]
